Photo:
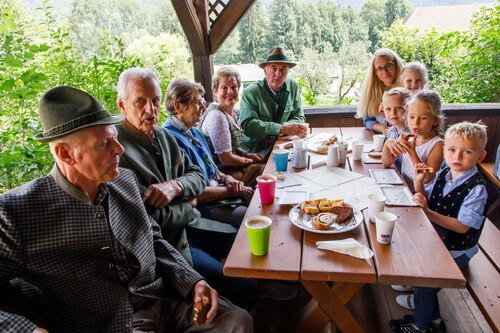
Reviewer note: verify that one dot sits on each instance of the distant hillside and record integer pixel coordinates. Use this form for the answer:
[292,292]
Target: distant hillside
[415,3]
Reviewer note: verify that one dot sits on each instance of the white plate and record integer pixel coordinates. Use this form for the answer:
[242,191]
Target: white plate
[397,195]
[313,146]
[293,197]
[386,176]
[304,221]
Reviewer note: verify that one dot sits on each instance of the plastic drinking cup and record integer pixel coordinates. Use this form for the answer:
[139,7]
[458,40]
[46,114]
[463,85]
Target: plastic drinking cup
[280,159]
[267,188]
[259,232]
[357,150]
[378,142]
[376,204]
[384,223]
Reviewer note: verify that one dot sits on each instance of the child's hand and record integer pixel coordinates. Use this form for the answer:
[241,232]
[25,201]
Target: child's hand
[420,200]
[417,174]
[396,147]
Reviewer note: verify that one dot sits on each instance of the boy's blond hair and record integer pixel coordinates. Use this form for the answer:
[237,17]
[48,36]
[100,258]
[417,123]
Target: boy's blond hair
[468,130]
[403,93]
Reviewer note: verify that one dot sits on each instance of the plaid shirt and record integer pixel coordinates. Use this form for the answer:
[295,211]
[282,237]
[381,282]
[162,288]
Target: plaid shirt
[55,249]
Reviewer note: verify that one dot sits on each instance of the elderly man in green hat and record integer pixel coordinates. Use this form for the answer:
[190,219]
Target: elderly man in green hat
[79,245]
[271,107]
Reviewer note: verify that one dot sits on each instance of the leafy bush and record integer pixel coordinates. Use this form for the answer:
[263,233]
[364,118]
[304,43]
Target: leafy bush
[35,56]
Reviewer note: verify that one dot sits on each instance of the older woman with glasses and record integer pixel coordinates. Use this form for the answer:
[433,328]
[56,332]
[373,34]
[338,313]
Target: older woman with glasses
[219,125]
[224,198]
[383,74]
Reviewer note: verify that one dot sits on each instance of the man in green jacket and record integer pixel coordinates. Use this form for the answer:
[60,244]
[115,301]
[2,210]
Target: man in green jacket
[169,184]
[271,107]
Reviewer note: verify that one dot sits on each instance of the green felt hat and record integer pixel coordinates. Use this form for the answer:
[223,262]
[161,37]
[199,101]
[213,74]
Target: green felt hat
[277,55]
[64,110]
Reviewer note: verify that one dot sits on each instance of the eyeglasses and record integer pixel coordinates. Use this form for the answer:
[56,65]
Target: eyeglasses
[387,67]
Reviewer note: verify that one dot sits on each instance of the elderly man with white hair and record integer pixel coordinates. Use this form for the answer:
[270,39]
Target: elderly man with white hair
[169,183]
[79,245]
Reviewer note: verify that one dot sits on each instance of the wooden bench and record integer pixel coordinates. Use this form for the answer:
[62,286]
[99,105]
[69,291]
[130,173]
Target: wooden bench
[483,277]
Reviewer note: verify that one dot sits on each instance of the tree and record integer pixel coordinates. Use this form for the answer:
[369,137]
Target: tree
[252,32]
[394,10]
[373,13]
[283,25]
[463,66]
[357,28]
[314,71]
[353,61]
[229,52]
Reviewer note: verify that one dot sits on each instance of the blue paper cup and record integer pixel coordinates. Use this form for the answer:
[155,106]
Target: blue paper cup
[280,159]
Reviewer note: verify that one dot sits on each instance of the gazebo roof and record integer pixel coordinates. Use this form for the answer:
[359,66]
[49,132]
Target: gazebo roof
[206,24]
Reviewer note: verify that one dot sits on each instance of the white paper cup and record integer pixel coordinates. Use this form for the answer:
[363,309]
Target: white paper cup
[298,144]
[376,204]
[357,150]
[299,160]
[384,223]
[332,159]
[378,142]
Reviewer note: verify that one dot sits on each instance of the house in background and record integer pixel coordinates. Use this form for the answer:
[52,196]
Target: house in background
[443,18]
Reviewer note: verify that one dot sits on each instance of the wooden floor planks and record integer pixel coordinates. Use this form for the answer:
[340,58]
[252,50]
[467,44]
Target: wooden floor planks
[373,305]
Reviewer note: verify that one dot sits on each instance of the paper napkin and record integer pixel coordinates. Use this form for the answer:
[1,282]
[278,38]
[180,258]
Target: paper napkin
[348,246]
[288,181]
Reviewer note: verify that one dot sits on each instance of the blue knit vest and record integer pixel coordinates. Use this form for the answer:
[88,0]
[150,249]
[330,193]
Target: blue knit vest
[449,205]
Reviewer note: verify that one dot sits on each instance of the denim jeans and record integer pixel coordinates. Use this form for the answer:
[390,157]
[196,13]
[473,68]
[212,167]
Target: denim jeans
[240,291]
[426,300]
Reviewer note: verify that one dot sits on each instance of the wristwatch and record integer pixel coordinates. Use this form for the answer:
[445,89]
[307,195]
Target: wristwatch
[181,186]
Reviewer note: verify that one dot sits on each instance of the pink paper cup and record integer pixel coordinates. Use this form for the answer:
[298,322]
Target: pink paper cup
[267,188]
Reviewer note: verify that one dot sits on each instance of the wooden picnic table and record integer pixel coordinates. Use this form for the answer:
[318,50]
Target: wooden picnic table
[416,256]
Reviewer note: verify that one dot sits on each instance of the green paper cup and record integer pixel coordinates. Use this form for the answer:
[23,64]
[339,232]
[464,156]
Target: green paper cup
[259,232]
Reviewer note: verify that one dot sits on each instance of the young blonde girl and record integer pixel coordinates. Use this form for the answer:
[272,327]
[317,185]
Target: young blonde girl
[425,121]
[414,77]
[382,75]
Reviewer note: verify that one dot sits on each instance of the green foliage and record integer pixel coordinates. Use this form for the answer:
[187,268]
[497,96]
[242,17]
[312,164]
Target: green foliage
[315,73]
[36,55]
[394,10]
[463,66]
[252,32]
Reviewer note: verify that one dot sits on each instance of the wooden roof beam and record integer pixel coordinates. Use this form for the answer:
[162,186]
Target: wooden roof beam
[227,21]
[193,16]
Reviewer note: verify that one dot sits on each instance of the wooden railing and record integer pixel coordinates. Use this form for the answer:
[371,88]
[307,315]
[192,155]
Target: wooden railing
[488,113]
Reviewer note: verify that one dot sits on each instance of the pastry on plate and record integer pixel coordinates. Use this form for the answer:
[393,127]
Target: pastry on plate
[322,221]
[324,205]
[323,146]
[309,207]
[337,202]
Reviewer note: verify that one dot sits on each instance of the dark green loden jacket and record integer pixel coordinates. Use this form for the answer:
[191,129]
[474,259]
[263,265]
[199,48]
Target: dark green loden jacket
[257,110]
[174,217]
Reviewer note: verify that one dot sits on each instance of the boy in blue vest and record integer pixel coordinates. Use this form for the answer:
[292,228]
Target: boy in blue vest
[455,203]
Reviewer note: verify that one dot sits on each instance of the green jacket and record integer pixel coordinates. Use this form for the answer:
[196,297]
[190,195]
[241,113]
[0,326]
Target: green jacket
[174,217]
[256,115]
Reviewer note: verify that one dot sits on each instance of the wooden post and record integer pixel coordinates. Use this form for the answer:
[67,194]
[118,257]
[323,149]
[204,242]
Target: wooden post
[203,69]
